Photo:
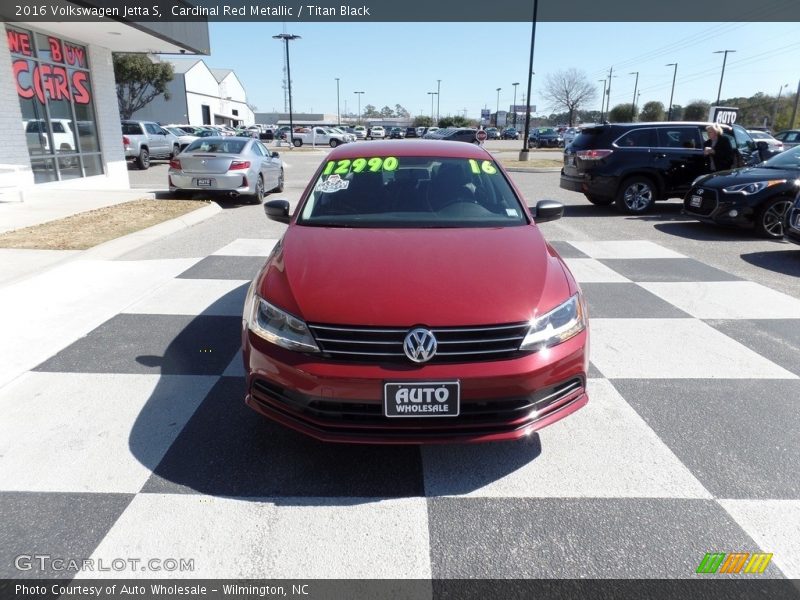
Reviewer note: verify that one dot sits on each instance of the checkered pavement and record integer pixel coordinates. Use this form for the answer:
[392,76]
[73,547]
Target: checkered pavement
[124,434]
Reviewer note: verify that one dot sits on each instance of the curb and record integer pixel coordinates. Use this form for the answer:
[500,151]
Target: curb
[119,246]
[534,170]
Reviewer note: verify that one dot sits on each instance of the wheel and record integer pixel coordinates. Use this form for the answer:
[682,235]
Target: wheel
[599,200]
[772,218]
[636,195]
[333,143]
[296,142]
[258,197]
[176,149]
[143,160]
[279,187]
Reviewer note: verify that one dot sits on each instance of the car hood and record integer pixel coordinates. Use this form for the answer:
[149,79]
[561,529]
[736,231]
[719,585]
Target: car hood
[724,179]
[404,277]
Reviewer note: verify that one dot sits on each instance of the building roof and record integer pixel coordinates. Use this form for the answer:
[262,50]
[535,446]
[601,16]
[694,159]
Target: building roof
[220,74]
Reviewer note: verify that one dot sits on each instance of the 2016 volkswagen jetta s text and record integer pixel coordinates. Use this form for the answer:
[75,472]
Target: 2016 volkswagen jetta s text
[413,299]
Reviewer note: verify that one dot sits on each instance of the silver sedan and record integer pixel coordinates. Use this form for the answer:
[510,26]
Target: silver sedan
[235,166]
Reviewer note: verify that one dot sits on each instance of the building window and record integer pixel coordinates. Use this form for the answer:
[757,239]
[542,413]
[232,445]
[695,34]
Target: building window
[206,114]
[54,87]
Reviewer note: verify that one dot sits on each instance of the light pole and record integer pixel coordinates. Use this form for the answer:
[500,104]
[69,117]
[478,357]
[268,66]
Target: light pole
[635,87]
[674,73]
[724,59]
[497,112]
[515,103]
[777,102]
[432,94]
[438,97]
[523,154]
[286,37]
[603,99]
[338,112]
[359,105]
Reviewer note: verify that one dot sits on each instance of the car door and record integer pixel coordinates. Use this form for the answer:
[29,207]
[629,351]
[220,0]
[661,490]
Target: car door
[679,157]
[157,140]
[269,169]
[746,146]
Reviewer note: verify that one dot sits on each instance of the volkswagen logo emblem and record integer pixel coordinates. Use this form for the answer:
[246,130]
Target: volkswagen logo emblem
[420,345]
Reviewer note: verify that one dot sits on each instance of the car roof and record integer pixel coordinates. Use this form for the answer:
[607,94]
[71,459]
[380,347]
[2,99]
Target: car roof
[439,148]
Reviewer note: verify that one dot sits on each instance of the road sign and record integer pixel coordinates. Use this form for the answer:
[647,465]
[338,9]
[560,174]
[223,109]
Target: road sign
[481,135]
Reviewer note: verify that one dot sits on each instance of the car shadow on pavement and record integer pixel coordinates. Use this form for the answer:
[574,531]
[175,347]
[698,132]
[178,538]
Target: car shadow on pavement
[220,447]
[706,232]
[785,261]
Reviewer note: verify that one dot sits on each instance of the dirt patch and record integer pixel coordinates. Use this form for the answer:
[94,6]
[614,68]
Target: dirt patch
[88,229]
[534,163]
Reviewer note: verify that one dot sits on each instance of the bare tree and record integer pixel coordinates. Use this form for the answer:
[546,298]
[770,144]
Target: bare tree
[569,90]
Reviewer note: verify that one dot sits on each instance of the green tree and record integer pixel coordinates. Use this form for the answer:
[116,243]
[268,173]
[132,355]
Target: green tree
[386,112]
[621,113]
[456,121]
[652,111]
[140,81]
[401,112]
[696,110]
[422,121]
[370,112]
[569,90]
[677,112]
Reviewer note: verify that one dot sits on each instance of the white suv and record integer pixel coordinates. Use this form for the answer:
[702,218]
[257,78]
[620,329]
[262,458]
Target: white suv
[377,132]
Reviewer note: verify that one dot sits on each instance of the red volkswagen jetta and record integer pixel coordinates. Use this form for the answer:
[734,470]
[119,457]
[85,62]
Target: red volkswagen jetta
[413,299]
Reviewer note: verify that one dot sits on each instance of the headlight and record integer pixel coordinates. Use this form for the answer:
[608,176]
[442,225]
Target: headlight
[752,188]
[557,326]
[277,326]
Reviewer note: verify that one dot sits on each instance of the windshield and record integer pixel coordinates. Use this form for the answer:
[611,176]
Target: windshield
[218,145]
[421,192]
[788,159]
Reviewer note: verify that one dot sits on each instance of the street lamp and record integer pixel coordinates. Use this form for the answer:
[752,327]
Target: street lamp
[338,112]
[497,112]
[635,87]
[724,59]
[515,103]
[603,99]
[674,73]
[432,94]
[438,97]
[359,105]
[286,37]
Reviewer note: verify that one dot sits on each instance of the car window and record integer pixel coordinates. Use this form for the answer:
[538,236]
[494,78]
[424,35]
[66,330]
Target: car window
[131,129]
[742,138]
[151,128]
[216,145]
[257,149]
[638,138]
[789,159]
[680,137]
[411,192]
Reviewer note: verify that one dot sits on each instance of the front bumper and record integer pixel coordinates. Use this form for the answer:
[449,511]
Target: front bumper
[343,402]
[717,208]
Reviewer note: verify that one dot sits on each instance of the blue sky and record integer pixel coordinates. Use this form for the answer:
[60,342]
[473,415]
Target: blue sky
[399,63]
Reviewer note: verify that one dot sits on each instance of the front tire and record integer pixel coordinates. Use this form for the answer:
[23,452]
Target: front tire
[297,143]
[333,143]
[143,160]
[636,195]
[772,218]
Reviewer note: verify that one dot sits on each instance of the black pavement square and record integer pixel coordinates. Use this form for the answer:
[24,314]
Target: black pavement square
[528,538]
[567,250]
[666,269]
[56,525]
[166,344]
[225,267]
[627,301]
[227,449]
[775,339]
[737,436]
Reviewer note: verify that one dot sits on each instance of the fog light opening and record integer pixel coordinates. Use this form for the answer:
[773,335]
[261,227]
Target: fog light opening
[733,213]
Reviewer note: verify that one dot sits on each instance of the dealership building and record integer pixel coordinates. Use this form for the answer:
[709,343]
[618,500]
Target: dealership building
[59,114]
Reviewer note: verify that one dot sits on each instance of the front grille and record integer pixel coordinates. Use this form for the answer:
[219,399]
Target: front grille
[707,206]
[385,344]
[477,417]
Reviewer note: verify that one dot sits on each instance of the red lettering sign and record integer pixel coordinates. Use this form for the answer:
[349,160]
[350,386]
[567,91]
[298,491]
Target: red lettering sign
[55,49]
[19,42]
[76,56]
[53,81]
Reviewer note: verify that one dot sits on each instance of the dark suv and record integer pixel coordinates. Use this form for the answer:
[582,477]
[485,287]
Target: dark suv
[635,164]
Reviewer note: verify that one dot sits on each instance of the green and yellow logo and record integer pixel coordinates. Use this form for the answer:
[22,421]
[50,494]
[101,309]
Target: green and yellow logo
[735,562]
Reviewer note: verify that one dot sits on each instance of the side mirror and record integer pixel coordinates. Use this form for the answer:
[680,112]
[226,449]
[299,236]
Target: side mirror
[275,155]
[277,210]
[762,145]
[547,210]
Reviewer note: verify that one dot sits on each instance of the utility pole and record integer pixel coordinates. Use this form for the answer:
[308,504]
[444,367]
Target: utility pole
[777,103]
[635,87]
[674,73]
[796,102]
[603,99]
[438,97]
[724,59]
[608,93]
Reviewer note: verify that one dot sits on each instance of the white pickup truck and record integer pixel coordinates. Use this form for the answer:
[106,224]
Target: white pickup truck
[319,136]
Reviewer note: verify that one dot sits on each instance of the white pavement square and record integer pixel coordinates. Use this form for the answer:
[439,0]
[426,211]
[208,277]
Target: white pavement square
[247,247]
[91,432]
[674,349]
[192,297]
[727,299]
[589,270]
[604,450]
[774,525]
[625,249]
[259,538]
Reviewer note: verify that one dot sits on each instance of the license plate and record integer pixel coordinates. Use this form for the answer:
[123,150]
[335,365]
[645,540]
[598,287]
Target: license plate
[696,201]
[204,183]
[421,399]
[570,160]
